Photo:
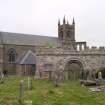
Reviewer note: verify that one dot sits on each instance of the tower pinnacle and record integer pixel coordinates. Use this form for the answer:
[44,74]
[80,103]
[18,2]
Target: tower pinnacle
[64,20]
[59,22]
[73,21]
[67,22]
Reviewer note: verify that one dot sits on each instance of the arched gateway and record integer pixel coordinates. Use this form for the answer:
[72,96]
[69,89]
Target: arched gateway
[74,69]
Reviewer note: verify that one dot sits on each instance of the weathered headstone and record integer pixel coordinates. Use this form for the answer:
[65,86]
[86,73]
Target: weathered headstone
[1,77]
[21,88]
[100,75]
[99,80]
[29,84]
[56,80]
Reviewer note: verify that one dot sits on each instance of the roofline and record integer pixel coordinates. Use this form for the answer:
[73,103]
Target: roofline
[28,34]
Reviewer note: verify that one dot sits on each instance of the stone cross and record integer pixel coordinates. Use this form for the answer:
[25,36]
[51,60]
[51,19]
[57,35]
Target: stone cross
[22,88]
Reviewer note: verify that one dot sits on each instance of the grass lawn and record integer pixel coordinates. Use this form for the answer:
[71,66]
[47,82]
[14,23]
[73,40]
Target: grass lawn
[43,92]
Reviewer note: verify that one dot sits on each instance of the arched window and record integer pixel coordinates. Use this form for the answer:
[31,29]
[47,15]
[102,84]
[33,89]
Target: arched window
[11,55]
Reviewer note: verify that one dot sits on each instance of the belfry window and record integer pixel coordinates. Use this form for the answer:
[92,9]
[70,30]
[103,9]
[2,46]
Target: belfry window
[61,35]
[11,55]
[68,34]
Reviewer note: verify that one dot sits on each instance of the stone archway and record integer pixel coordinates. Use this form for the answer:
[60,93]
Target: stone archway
[73,69]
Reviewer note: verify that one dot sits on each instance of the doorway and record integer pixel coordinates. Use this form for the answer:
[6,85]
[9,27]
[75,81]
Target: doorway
[73,70]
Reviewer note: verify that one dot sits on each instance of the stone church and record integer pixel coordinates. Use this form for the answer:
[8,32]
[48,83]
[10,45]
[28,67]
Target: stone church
[23,54]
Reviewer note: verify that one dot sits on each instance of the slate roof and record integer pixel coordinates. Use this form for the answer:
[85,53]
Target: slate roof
[25,39]
[19,59]
[29,58]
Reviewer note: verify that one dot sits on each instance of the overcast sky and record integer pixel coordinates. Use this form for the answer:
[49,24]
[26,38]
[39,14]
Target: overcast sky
[41,17]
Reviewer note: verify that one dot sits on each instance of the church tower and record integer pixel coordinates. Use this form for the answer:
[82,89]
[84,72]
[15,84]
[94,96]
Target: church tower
[66,34]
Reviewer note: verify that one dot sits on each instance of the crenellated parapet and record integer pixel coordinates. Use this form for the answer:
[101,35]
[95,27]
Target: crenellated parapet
[94,48]
[80,46]
[59,51]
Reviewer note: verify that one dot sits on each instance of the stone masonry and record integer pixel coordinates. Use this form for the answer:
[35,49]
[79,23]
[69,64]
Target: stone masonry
[50,53]
[92,59]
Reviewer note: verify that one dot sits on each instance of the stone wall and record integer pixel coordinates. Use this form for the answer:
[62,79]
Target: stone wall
[91,59]
[1,57]
[48,58]
[20,50]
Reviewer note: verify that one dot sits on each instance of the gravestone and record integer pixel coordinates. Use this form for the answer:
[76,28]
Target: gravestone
[21,88]
[56,78]
[99,80]
[29,84]
[100,75]
[1,77]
